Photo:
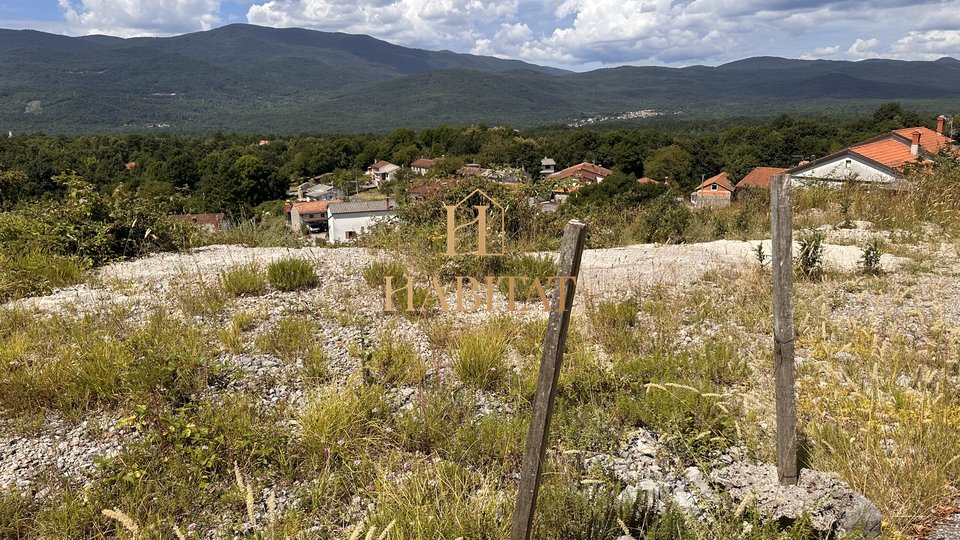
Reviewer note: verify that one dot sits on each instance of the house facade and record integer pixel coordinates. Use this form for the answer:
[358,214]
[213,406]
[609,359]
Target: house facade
[585,173]
[422,166]
[311,215]
[716,191]
[382,171]
[346,221]
[881,160]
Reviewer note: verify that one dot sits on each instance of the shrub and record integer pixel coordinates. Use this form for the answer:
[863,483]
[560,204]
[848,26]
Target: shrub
[291,275]
[870,259]
[243,280]
[479,358]
[665,221]
[809,261]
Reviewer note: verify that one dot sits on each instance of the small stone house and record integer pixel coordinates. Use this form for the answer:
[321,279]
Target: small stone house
[716,191]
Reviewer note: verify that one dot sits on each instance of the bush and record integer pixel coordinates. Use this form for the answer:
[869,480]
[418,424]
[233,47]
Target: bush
[665,221]
[243,280]
[291,275]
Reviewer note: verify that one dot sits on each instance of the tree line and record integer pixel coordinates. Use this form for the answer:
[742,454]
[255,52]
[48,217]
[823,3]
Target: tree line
[236,174]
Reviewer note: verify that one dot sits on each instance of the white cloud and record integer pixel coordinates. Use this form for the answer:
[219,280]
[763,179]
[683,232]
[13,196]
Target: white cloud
[821,52]
[864,48]
[928,45]
[433,23]
[140,17]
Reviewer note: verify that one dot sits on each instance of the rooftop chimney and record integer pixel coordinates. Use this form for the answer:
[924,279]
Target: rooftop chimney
[940,120]
[915,144]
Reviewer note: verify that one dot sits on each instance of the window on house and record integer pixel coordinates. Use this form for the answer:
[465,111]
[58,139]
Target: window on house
[351,235]
[713,187]
[848,163]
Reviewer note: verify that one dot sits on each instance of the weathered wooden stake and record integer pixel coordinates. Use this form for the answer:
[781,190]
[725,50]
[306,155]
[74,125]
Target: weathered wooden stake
[781,223]
[553,345]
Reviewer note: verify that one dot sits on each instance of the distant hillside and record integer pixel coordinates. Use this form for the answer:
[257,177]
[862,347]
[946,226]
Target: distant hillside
[249,78]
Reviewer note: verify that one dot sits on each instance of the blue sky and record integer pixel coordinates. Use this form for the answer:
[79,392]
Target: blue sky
[574,34]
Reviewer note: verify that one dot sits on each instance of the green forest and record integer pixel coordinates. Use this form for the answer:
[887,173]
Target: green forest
[234,174]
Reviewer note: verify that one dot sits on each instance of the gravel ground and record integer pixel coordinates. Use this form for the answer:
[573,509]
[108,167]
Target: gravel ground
[350,315]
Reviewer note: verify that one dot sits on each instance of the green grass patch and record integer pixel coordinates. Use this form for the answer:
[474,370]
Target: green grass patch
[292,275]
[243,280]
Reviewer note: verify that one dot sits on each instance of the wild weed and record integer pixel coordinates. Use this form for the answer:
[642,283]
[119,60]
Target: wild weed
[200,299]
[479,358]
[439,499]
[232,336]
[291,275]
[343,425]
[243,280]
[809,261]
[870,258]
[288,338]
[376,272]
[396,361]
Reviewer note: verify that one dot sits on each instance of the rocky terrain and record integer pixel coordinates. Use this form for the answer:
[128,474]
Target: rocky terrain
[918,292]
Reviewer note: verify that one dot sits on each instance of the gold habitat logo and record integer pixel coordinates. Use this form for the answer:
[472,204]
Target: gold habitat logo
[476,226]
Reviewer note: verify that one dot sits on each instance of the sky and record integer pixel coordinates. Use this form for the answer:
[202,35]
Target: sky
[571,34]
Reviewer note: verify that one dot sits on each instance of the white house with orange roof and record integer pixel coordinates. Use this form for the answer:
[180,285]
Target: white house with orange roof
[880,160]
[382,171]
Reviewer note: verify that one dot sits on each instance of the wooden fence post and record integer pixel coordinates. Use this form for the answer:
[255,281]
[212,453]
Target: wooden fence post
[553,346]
[781,223]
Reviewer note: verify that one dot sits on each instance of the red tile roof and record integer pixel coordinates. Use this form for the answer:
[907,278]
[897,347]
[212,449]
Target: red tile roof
[759,177]
[889,152]
[423,163]
[380,164]
[721,180]
[646,180]
[930,140]
[584,171]
[312,207]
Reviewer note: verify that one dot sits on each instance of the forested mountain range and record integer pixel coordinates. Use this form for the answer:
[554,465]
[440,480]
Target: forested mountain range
[269,80]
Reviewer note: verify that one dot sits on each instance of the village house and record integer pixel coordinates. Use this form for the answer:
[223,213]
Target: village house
[716,191]
[758,178]
[382,171]
[309,215]
[205,222]
[586,173]
[422,166]
[881,160]
[547,166]
[319,192]
[348,220]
